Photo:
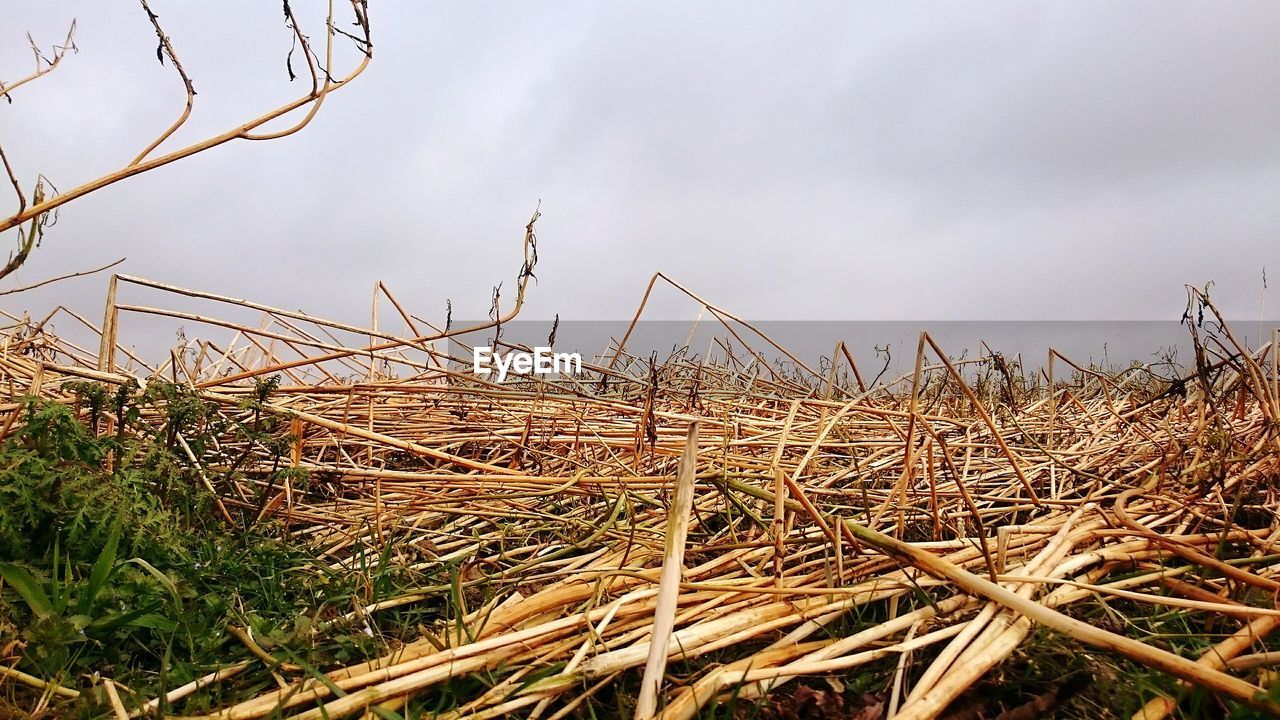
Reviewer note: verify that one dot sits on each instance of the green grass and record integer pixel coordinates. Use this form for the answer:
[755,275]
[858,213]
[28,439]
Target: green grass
[127,573]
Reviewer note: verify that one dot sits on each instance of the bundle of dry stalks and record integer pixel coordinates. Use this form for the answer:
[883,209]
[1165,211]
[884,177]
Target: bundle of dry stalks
[963,510]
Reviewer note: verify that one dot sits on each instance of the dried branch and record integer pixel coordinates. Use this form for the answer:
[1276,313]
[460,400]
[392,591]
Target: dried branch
[44,65]
[144,162]
[166,48]
[13,179]
[68,276]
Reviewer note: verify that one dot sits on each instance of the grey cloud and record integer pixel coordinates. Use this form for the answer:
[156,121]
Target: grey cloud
[824,160]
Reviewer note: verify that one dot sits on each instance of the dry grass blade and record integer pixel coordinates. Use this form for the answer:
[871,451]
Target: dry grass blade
[669,581]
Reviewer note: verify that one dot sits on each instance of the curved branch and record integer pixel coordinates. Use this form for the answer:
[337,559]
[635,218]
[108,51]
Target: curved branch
[167,47]
[319,94]
[306,46]
[244,131]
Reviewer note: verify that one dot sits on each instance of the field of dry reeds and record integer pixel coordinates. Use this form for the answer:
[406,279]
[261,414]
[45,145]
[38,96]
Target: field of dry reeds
[685,538]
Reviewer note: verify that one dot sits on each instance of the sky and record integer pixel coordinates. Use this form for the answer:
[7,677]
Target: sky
[802,161]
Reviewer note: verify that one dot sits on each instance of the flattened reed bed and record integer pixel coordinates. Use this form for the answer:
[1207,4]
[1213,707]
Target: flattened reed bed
[954,510]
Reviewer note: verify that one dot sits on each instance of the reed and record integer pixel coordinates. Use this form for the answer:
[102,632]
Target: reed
[753,524]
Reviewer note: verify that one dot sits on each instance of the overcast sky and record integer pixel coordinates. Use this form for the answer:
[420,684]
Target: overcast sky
[786,160]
